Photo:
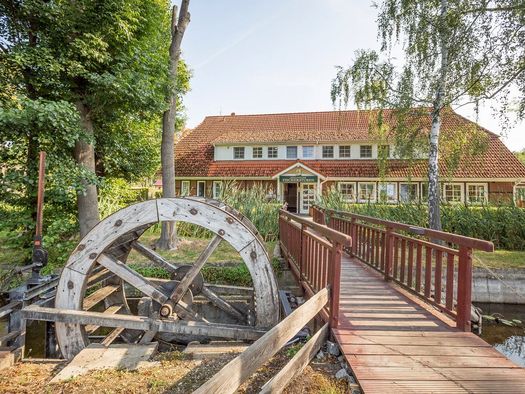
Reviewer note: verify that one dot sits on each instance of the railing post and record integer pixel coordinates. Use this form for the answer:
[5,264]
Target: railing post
[335,284]
[301,247]
[464,288]
[388,253]
[353,234]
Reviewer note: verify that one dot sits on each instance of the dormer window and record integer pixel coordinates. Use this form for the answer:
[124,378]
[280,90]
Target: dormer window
[238,152]
[344,151]
[365,151]
[291,152]
[257,152]
[272,152]
[328,152]
[308,152]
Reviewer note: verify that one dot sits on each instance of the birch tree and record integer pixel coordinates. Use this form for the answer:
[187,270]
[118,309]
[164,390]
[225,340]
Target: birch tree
[168,236]
[455,53]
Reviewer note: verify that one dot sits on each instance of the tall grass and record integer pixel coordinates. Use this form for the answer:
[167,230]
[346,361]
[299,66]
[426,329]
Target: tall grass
[253,202]
[502,224]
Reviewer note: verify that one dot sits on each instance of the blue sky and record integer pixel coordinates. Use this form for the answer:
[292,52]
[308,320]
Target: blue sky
[270,56]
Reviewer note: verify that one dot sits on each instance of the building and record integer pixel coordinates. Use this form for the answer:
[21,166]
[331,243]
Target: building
[299,155]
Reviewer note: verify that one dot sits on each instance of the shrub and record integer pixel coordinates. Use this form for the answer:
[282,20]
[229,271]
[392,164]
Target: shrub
[503,225]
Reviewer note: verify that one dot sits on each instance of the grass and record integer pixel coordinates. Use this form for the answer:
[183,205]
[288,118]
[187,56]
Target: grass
[499,259]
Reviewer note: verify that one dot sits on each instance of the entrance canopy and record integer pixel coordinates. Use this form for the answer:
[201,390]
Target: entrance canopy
[298,173]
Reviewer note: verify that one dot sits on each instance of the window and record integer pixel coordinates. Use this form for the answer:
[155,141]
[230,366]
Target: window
[328,152]
[408,192]
[238,152]
[257,152]
[519,196]
[367,192]
[453,192]
[387,192]
[185,188]
[201,189]
[365,151]
[347,191]
[217,189]
[476,193]
[272,152]
[424,192]
[308,152]
[291,152]
[383,151]
[344,151]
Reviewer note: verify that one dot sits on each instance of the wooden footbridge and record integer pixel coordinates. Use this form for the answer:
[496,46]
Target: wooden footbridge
[400,304]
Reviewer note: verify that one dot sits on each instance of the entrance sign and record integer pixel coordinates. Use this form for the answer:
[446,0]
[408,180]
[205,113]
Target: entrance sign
[298,178]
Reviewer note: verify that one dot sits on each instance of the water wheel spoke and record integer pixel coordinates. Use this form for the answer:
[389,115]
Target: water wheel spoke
[133,278]
[223,304]
[153,256]
[185,283]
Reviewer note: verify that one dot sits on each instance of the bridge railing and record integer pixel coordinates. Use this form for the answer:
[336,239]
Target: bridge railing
[313,251]
[434,265]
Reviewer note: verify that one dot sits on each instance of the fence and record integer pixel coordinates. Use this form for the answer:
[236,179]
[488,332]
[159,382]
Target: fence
[435,265]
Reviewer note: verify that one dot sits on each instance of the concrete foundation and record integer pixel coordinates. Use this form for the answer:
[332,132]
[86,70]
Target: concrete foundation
[505,286]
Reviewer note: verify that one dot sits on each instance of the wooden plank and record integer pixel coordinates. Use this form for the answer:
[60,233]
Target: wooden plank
[110,338]
[231,376]
[411,340]
[408,350]
[99,295]
[9,337]
[414,386]
[298,362]
[393,360]
[142,323]
[90,328]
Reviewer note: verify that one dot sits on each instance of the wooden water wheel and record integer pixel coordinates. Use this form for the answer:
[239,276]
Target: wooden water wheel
[98,273]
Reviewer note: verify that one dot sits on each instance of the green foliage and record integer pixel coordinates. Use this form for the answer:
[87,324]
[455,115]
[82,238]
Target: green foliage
[521,156]
[503,225]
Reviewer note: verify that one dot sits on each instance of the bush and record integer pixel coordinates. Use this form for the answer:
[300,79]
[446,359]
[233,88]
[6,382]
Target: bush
[503,225]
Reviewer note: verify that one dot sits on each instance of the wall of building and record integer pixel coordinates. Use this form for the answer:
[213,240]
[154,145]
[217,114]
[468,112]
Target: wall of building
[501,192]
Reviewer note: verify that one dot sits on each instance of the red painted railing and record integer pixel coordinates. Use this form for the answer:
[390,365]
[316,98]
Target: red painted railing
[434,265]
[313,252]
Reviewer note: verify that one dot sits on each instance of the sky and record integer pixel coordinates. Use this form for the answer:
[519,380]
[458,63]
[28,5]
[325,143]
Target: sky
[272,56]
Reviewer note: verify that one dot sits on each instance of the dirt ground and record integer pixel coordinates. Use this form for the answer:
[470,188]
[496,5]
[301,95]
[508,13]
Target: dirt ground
[172,372]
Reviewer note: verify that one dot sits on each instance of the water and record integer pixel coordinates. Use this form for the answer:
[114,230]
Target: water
[509,341]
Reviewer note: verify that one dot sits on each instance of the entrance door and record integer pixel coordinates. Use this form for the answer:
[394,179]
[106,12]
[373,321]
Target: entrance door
[290,196]
[307,196]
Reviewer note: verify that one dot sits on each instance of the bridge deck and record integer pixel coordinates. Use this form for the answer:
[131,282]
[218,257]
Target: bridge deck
[394,343]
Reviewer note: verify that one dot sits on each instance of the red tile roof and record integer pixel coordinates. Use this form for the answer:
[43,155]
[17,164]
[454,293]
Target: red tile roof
[194,152]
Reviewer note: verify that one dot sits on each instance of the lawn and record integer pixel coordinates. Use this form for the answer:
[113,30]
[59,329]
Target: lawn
[499,259]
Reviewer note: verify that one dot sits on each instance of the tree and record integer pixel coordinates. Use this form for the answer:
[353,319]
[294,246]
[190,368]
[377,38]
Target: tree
[456,52]
[86,74]
[520,155]
[168,236]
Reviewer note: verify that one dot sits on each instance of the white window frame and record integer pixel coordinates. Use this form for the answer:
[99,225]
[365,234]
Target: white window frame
[203,190]
[349,151]
[385,185]
[485,193]
[312,156]
[296,152]
[322,152]
[373,195]
[261,150]
[361,151]
[242,149]
[354,194]
[444,192]
[417,196]
[271,148]
[185,188]
[217,193]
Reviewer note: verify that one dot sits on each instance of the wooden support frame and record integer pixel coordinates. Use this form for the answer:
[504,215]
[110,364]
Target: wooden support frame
[233,374]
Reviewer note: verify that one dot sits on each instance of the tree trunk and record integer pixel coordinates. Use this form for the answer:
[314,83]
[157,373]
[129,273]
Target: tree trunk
[434,197]
[168,235]
[88,214]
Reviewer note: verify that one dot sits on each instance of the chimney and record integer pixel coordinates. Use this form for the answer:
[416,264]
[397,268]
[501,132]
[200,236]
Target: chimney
[232,114]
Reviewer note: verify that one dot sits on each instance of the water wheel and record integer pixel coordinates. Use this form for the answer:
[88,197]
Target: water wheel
[98,274]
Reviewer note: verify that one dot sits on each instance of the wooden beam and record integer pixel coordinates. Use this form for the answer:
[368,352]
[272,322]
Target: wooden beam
[94,298]
[153,256]
[112,336]
[298,362]
[142,323]
[222,304]
[185,283]
[90,328]
[233,374]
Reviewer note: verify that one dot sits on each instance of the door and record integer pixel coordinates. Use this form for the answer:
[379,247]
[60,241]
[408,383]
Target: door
[290,196]
[201,189]
[307,196]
